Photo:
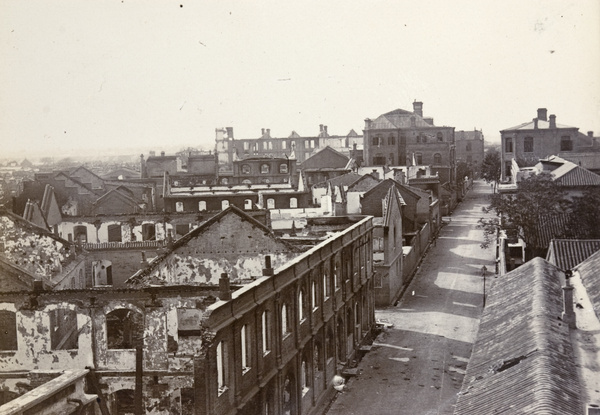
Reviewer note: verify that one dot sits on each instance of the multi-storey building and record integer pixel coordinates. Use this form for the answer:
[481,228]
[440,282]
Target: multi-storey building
[229,320]
[470,149]
[528,142]
[294,146]
[404,138]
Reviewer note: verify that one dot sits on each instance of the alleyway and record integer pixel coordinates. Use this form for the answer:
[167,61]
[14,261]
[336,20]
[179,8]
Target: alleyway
[417,366]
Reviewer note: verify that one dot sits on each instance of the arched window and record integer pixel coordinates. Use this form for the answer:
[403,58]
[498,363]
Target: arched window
[330,346]
[80,233]
[8,330]
[304,375]
[440,136]
[245,341]
[289,396]
[270,203]
[301,305]
[419,159]
[264,168]
[266,331]
[224,180]
[179,206]
[248,204]
[326,282]
[283,168]
[245,169]
[222,353]
[337,270]
[391,140]
[246,181]
[224,204]
[123,329]
[314,295]
[202,205]
[293,203]
[285,321]
[437,159]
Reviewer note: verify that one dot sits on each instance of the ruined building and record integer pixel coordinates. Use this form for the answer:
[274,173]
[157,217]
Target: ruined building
[228,319]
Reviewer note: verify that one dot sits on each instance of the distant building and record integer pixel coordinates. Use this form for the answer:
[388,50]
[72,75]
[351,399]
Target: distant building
[470,149]
[404,138]
[528,142]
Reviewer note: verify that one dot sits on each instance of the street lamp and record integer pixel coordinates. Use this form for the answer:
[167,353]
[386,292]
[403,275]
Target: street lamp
[483,272]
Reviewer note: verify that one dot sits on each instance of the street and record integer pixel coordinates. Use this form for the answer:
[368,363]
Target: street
[417,366]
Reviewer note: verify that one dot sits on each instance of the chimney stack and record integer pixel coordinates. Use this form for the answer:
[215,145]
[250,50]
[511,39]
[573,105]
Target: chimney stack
[325,129]
[368,122]
[268,132]
[418,108]
[262,131]
[229,132]
[152,154]
[268,269]
[162,153]
[375,174]
[553,121]
[591,134]
[224,288]
[568,315]
[535,123]
[321,127]
[144,262]
[542,114]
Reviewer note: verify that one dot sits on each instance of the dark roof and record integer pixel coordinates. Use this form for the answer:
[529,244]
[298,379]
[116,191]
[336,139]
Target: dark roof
[342,180]
[589,271]
[522,360]
[567,253]
[550,227]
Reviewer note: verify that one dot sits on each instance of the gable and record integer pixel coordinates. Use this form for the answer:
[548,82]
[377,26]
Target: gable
[327,158]
[364,184]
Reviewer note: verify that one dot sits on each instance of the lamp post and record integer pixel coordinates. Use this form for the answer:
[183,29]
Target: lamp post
[483,272]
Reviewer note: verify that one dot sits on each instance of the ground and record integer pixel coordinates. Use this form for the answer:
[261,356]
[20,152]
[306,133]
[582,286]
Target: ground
[417,366]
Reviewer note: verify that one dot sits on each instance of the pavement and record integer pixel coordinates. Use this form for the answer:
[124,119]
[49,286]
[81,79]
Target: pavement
[418,365]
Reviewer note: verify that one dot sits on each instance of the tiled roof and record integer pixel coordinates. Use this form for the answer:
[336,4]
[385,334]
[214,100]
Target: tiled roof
[398,119]
[522,360]
[589,271]
[551,227]
[575,176]
[567,253]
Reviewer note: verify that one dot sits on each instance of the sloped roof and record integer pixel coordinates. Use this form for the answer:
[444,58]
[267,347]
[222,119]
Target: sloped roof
[567,253]
[326,158]
[570,174]
[398,118]
[589,271]
[120,193]
[294,134]
[530,125]
[522,361]
[551,227]
[342,180]
[86,170]
[361,180]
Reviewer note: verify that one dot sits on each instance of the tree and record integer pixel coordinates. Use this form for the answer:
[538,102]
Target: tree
[584,216]
[490,168]
[537,198]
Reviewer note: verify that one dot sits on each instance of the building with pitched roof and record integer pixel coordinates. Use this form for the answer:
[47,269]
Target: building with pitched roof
[567,253]
[530,141]
[470,149]
[523,361]
[404,138]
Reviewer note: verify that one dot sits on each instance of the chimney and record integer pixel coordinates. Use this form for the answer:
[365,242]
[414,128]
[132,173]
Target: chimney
[590,134]
[153,154]
[368,122]
[535,123]
[418,108]
[268,269]
[325,129]
[568,315]
[229,132]
[162,153]
[553,121]
[542,114]
[375,174]
[262,131]
[321,127]
[268,132]
[224,289]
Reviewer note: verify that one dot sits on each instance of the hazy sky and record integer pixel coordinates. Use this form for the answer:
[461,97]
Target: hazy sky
[109,74]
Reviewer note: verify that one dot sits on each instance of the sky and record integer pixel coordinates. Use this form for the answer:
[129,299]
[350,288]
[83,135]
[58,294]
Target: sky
[116,75]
